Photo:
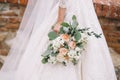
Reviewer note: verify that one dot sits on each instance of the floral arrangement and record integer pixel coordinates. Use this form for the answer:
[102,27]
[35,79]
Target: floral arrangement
[68,44]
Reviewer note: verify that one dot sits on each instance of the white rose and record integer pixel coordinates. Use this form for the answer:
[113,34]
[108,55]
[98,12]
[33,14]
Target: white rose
[52,60]
[56,44]
[73,38]
[60,58]
[60,40]
[71,53]
[84,37]
[77,57]
[77,49]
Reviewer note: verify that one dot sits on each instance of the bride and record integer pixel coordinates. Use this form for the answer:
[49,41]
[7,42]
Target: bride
[24,59]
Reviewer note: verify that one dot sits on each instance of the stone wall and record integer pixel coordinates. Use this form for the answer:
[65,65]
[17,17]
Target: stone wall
[108,12]
[22,2]
[10,18]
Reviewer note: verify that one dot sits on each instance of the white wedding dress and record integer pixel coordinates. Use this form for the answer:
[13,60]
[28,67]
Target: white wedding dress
[24,59]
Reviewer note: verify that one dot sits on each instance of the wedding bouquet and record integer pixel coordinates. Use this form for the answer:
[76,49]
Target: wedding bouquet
[68,44]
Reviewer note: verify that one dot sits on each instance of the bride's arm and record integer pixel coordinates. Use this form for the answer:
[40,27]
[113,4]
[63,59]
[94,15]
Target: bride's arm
[62,9]
[61,15]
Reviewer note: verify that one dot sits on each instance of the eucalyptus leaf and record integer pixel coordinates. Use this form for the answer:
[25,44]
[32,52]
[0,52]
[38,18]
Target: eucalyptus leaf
[89,33]
[72,32]
[52,35]
[62,30]
[44,60]
[74,24]
[80,45]
[54,53]
[65,24]
[46,53]
[77,36]
[49,47]
[74,61]
[74,17]
[98,36]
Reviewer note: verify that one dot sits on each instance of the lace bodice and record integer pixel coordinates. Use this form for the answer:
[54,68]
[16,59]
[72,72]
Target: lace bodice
[62,3]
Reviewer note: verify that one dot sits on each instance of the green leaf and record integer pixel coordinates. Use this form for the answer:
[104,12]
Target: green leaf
[77,36]
[98,35]
[46,53]
[72,32]
[52,35]
[89,33]
[62,30]
[44,60]
[49,47]
[74,17]
[74,24]
[54,53]
[80,45]
[74,61]
[65,24]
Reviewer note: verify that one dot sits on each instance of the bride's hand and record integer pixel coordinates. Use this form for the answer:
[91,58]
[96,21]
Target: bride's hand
[61,15]
[57,27]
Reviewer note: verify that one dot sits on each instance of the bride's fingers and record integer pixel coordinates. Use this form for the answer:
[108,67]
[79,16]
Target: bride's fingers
[57,27]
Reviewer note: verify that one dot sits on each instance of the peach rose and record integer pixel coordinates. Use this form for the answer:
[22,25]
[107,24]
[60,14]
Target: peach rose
[63,51]
[57,28]
[65,37]
[72,44]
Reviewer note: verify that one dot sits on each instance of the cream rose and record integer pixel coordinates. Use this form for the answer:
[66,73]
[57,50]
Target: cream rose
[63,51]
